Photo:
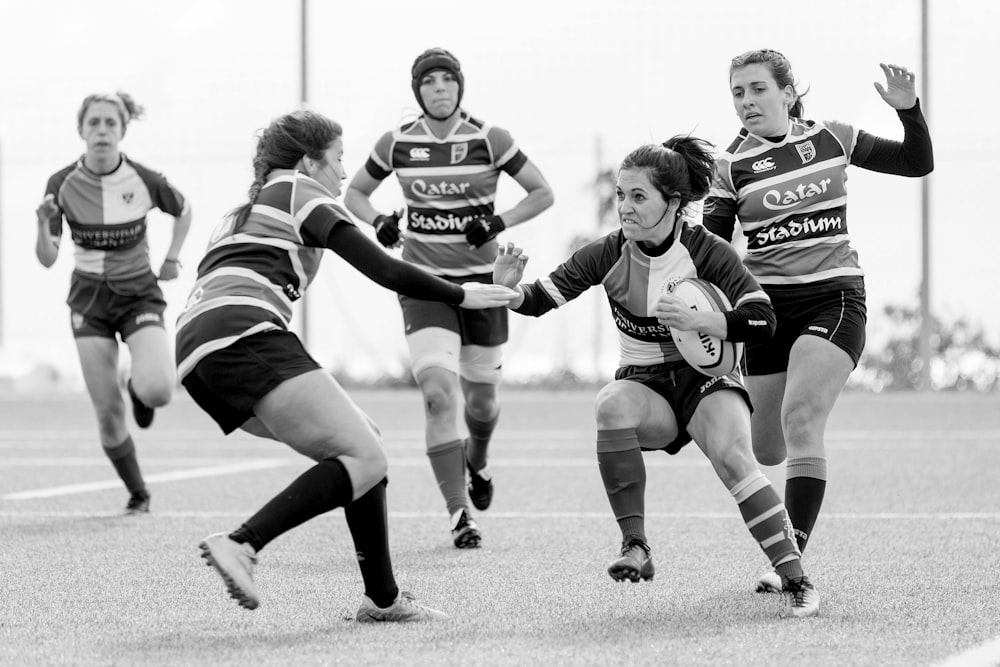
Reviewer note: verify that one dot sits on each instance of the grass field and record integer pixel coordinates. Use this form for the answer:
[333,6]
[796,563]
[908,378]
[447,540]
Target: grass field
[906,555]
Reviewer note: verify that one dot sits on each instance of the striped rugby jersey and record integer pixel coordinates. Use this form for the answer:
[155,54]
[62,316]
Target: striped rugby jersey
[250,276]
[633,281]
[446,183]
[106,215]
[791,201]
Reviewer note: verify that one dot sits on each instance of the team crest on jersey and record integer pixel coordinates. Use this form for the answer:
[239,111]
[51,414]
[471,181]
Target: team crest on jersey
[459,152]
[127,197]
[807,151]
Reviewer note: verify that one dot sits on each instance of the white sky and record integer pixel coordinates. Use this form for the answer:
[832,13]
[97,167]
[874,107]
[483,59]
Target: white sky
[563,77]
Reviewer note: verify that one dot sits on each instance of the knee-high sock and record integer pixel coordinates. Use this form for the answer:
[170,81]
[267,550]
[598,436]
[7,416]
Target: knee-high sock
[624,473]
[368,521]
[448,464]
[320,489]
[126,463]
[805,486]
[768,522]
[478,443]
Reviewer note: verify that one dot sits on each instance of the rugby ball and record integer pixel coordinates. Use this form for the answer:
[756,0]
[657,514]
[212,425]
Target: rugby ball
[707,354]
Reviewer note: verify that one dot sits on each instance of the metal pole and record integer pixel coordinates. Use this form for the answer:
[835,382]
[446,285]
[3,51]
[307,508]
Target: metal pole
[303,99]
[926,320]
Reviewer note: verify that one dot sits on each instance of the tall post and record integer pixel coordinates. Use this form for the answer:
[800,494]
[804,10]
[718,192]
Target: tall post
[303,99]
[926,319]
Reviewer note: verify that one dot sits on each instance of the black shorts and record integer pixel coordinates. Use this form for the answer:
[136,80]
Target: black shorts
[229,383]
[838,316]
[105,308]
[487,327]
[682,387]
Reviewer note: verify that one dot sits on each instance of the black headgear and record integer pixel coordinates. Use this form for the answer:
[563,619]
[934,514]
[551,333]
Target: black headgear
[433,59]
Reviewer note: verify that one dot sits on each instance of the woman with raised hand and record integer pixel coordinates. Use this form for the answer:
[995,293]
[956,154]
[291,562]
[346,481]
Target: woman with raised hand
[658,401]
[241,364]
[104,197]
[784,180]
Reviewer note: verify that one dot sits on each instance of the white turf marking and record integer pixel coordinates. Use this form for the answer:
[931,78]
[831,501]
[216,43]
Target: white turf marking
[52,492]
[986,654]
[521,516]
[588,461]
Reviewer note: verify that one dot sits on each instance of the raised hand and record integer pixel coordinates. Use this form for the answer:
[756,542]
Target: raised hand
[387,229]
[484,295]
[900,90]
[508,269]
[47,209]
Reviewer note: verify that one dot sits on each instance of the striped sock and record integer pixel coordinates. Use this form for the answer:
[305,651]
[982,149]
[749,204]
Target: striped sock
[624,473]
[478,443]
[126,463]
[805,486]
[768,522]
[448,464]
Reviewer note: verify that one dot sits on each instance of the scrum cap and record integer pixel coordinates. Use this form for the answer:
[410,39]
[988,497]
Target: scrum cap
[432,59]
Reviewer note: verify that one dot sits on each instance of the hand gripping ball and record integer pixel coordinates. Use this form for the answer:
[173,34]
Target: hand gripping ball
[707,354]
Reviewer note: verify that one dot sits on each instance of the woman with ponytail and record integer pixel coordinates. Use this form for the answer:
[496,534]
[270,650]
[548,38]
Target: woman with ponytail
[784,179]
[104,197]
[240,362]
[657,401]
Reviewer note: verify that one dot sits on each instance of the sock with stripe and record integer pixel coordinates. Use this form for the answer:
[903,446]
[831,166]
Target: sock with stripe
[318,490]
[805,486]
[368,521]
[448,464]
[768,522]
[624,474]
[478,443]
[126,463]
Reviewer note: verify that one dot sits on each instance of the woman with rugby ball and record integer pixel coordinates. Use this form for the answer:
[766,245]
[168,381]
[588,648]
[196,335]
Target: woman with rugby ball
[657,400]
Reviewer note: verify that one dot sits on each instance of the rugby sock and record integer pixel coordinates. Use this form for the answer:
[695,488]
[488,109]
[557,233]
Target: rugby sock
[320,489]
[478,443]
[448,464]
[805,486]
[126,464]
[624,473]
[768,522]
[368,521]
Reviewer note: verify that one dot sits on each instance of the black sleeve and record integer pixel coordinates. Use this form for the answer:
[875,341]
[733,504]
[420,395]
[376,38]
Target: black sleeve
[753,322]
[914,156]
[367,257]
[536,302]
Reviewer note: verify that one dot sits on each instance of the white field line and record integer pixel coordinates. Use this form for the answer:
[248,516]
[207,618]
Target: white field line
[14,438]
[520,516]
[71,489]
[986,654]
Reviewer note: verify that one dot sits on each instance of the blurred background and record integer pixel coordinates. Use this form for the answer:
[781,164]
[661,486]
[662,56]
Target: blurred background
[577,84]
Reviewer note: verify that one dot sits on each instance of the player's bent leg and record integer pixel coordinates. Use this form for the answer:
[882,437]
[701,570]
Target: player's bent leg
[817,372]
[482,412]
[153,374]
[766,395]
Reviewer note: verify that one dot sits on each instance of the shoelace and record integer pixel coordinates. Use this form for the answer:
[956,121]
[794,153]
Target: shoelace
[798,590]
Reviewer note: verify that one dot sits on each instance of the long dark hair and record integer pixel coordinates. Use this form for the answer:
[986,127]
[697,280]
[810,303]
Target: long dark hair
[781,70]
[287,140]
[682,166]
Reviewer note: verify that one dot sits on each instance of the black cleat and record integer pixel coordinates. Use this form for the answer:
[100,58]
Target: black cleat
[480,487]
[138,503]
[635,563]
[143,413]
[464,531]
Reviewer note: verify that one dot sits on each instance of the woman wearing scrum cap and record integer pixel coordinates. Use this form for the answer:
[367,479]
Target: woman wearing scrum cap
[657,400]
[104,197]
[448,163]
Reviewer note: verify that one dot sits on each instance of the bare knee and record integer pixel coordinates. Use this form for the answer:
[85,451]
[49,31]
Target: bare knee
[482,405]
[732,459]
[439,398]
[613,408]
[156,393]
[802,423]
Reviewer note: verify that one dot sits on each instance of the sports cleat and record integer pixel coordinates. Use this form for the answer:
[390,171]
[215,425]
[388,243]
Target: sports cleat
[636,563]
[801,599]
[138,503]
[142,413]
[464,530]
[480,487]
[769,582]
[405,609]
[235,563]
